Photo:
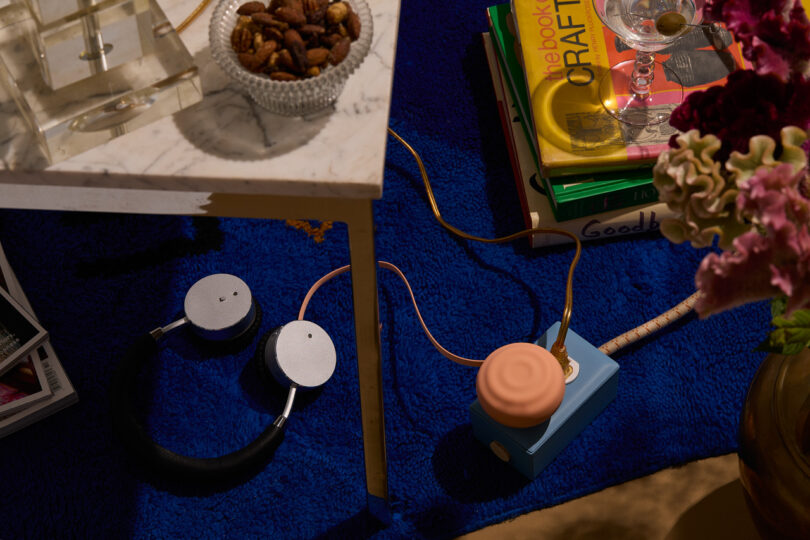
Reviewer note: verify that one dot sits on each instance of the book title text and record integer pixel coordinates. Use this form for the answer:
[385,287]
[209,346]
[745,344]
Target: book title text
[562,48]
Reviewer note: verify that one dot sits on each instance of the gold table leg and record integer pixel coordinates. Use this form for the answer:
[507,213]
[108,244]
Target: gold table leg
[369,365]
[359,217]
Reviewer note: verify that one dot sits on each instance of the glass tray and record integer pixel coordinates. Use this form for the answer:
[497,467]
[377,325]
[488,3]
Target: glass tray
[97,108]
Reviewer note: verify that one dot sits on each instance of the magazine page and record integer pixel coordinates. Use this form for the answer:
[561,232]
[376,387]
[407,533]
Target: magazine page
[23,385]
[62,391]
[20,333]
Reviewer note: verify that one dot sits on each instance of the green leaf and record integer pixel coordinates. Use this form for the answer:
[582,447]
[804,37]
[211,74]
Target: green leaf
[791,335]
[793,348]
[799,319]
[778,306]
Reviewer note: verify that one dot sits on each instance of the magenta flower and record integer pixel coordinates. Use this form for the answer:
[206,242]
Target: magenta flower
[749,104]
[775,35]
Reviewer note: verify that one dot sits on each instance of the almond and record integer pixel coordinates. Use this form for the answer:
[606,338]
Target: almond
[283,76]
[250,8]
[285,59]
[292,39]
[311,29]
[290,16]
[274,34]
[264,52]
[263,18]
[353,25]
[317,56]
[339,51]
[250,62]
[298,51]
[329,40]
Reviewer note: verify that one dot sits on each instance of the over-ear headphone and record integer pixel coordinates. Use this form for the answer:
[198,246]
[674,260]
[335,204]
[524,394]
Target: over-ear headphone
[220,308]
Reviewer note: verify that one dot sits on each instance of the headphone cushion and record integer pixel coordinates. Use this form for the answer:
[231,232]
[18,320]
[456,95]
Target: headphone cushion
[236,343]
[260,358]
[520,385]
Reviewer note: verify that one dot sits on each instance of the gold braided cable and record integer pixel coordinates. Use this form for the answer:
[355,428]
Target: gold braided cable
[558,349]
[193,15]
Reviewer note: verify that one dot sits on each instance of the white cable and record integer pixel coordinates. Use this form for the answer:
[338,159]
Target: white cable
[649,327]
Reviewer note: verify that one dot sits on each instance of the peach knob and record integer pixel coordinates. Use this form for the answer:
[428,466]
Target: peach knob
[520,385]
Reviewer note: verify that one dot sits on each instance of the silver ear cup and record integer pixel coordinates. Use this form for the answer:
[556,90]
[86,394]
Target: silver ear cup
[301,353]
[219,307]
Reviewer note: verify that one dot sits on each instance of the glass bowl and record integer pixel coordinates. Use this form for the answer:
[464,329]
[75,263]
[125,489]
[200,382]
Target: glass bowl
[288,98]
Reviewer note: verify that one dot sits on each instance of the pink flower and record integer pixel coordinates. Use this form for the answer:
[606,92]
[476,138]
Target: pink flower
[763,263]
[736,277]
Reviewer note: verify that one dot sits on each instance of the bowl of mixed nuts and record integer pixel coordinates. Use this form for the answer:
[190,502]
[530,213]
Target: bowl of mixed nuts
[292,56]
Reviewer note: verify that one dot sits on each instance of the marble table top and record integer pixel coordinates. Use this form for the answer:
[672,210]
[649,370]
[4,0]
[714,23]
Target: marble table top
[226,143]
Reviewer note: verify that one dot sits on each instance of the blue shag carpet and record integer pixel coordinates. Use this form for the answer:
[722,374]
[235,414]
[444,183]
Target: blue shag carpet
[97,281]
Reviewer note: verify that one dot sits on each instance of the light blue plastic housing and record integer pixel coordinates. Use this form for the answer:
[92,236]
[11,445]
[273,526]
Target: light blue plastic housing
[531,449]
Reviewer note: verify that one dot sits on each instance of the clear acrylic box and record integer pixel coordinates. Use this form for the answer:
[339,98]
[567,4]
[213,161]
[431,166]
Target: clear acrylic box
[51,11]
[77,47]
[74,101]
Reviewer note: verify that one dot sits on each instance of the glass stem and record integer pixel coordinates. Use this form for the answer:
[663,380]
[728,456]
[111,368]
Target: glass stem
[642,74]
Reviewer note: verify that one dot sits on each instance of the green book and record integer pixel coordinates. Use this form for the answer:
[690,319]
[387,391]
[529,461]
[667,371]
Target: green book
[579,195]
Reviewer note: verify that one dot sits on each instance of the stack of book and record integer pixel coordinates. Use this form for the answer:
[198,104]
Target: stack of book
[575,166]
[33,383]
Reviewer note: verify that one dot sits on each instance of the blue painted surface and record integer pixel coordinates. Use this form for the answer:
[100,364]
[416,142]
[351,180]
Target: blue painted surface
[531,449]
[97,281]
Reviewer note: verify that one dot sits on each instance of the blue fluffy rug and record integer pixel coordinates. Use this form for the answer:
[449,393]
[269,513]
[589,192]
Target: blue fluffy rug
[97,281]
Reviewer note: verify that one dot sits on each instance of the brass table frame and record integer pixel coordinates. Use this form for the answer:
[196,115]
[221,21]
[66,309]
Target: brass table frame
[359,218]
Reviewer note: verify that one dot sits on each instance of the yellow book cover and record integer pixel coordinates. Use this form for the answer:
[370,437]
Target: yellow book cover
[566,50]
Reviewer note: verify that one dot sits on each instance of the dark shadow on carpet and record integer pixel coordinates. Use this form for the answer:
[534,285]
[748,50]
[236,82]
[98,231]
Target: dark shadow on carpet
[466,470]
[361,525]
[207,237]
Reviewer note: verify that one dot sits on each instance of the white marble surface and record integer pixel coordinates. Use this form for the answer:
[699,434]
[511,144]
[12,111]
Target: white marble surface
[224,144]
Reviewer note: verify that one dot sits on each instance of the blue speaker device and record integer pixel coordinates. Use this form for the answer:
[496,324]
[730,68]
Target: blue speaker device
[529,450]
